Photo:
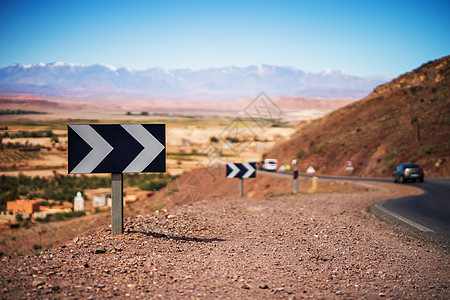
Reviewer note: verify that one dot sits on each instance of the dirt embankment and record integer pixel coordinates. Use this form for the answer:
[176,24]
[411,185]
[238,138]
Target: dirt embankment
[405,120]
[321,245]
[194,186]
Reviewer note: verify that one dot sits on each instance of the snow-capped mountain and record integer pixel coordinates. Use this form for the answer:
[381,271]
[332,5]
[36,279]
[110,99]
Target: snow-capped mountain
[228,83]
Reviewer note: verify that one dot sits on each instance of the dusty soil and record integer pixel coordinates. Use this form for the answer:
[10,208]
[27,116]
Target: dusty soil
[323,245]
[191,187]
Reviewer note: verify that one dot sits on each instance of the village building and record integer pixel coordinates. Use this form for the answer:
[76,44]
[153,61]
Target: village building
[23,206]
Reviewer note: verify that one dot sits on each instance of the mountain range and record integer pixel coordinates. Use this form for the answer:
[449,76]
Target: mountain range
[227,83]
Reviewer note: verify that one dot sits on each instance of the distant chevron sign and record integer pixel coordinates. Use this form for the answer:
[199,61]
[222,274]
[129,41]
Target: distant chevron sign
[116,148]
[243,170]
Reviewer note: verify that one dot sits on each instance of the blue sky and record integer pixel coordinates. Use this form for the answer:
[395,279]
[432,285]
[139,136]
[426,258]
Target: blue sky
[358,37]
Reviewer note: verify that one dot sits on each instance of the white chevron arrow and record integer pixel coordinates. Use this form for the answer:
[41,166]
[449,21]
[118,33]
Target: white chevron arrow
[152,147]
[250,170]
[235,171]
[100,148]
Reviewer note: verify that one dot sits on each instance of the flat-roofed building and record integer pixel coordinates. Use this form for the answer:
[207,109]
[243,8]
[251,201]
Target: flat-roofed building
[23,206]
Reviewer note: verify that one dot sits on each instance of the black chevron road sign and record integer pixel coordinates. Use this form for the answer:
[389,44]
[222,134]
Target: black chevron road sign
[117,148]
[243,170]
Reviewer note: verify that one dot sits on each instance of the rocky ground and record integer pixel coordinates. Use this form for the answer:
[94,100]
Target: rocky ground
[289,246]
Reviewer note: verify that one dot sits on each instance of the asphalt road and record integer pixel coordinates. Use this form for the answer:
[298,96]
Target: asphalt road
[426,216]
[428,213]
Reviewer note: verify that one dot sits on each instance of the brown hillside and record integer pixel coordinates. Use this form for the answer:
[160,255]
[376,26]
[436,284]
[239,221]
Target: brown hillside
[405,120]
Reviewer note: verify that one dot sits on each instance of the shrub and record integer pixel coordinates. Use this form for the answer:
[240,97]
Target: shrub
[148,182]
[300,154]
[61,216]
[403,149]
[54,138]
[426,149]
[232,139]
[320,147]
[389,159]
[444,121]
[152,185]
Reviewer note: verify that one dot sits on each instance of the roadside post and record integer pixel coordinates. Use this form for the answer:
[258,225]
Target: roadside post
[116,149]
[241,171]
[295,177]
[241,187]
[315,185]
[116,203]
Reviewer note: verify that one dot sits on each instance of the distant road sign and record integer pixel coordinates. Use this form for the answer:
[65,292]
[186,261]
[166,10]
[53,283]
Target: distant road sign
[310,170]
[349,166]
[243,170]
[116,148]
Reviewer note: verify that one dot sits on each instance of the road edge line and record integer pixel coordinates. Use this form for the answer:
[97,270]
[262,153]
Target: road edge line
[403,219]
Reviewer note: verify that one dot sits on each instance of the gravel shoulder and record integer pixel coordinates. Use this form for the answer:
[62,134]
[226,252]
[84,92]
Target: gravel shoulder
[288,247]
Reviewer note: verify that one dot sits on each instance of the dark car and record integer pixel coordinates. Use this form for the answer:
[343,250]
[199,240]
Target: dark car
[409,171]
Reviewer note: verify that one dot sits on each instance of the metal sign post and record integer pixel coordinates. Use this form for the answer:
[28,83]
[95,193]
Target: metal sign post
[117,203]
[295,177]
[241,187]
[116,149]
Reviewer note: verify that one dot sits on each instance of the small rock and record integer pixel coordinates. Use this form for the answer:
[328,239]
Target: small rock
[99,250]
[37,283]
[263,286]
[131,286]
[245,286]
[382,294]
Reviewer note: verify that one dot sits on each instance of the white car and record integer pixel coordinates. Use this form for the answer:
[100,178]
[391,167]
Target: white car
[270,164]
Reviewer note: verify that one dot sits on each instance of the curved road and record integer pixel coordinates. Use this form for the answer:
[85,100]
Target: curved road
[426,216]
[429,212]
